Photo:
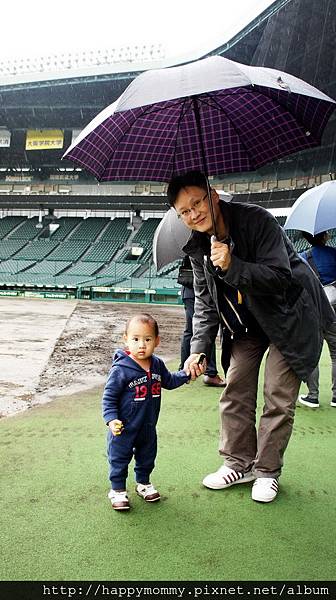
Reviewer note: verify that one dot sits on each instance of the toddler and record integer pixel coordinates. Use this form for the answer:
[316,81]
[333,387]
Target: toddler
[131,406]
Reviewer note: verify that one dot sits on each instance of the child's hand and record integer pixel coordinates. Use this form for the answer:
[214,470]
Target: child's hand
[116,426]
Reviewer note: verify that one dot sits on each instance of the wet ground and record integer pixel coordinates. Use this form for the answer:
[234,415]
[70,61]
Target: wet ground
[51,348]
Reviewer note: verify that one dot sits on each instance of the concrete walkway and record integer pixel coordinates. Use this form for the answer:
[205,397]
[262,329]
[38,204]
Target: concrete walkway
[29,329]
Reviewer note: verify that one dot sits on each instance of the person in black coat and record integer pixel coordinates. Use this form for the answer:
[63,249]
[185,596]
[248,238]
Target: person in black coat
[250,281]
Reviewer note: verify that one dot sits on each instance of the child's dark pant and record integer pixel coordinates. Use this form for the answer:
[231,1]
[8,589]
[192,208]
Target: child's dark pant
[121,449]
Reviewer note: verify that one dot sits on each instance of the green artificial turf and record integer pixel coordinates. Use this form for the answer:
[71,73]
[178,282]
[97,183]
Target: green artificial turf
[57,523]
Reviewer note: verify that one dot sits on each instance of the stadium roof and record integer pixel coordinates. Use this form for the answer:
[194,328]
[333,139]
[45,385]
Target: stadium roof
[117,38]
[296,36]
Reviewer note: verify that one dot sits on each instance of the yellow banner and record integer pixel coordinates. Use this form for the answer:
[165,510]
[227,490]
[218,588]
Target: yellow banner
[44,139]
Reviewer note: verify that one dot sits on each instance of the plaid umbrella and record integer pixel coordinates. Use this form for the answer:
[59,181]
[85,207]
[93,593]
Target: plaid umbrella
[214,115]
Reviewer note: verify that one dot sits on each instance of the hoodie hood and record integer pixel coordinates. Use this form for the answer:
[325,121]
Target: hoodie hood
[123,359]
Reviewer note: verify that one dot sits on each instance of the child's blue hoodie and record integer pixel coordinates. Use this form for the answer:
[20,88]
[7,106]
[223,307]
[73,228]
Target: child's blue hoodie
[132,394]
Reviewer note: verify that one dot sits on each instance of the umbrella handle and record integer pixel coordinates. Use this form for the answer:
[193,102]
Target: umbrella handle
[212,212]
[227,241]
[201,359]
[204,161]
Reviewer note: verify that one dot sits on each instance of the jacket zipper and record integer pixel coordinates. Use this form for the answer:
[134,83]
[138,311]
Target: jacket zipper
[237,315]
[227,324]
[149,384]
[234,310]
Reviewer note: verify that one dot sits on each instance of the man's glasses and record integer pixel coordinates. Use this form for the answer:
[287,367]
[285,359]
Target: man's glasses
[185,214]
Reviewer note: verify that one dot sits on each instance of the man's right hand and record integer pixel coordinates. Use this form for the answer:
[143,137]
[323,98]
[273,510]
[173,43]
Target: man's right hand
[192,366]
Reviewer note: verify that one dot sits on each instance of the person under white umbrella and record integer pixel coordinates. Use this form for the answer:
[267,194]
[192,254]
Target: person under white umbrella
[313,213]
[315,210]
[322,259]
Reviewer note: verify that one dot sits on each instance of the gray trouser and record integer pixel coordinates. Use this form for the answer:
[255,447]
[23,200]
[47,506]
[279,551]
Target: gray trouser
[313,379]
[240,444]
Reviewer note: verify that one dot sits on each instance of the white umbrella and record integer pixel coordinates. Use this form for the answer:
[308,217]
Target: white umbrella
[315,210]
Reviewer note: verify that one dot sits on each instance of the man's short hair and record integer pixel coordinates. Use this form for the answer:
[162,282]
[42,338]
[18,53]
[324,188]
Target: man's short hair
[315,240]
[179,182]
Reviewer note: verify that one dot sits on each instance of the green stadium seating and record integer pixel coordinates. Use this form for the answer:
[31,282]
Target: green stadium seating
[89,229]
[102,251]
[119,270]
[79,253]
[301,245]
[49,267]
[84,268]
[66,225]
[139,260]
[9,248]
[145,233]
[170,270]
[152,282]
[14,266]
[69,250]
[7,224]
[71,280]
[37,250]
[116,230]
[281,220]
[26,231]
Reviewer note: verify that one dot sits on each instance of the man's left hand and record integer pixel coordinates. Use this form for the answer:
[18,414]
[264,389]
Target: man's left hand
[193,367]
[220,255]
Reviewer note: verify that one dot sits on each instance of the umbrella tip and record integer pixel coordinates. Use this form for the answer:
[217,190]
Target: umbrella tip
[282,84]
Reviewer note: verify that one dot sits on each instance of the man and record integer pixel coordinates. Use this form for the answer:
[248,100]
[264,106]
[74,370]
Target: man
[251,281]
[322,259]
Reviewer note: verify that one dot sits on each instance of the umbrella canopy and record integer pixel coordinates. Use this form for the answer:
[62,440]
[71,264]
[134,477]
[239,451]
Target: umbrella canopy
[214,115]
[315,210]
[172,235]
[169,238]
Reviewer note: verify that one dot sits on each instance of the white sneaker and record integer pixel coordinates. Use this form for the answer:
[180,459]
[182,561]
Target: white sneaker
[147,492]
[265,489]
[225,477]
[307,400]
[119,500]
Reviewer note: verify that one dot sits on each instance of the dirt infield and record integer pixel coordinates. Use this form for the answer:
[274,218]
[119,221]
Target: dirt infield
[53,348]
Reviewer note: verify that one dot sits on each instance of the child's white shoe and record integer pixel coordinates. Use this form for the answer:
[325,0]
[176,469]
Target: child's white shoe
[147,492]
[119,500]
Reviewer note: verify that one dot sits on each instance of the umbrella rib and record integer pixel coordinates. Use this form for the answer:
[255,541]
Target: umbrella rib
[144,113]
[221,109]
[153,109]
[251,92]
[183,112]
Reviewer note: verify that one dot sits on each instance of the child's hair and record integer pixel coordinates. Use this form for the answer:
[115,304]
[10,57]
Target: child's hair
[143,318]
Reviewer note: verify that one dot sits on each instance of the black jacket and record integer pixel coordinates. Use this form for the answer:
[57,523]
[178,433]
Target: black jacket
[278,287]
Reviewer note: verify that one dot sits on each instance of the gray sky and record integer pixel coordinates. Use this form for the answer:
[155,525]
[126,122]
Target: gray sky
[181,26]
